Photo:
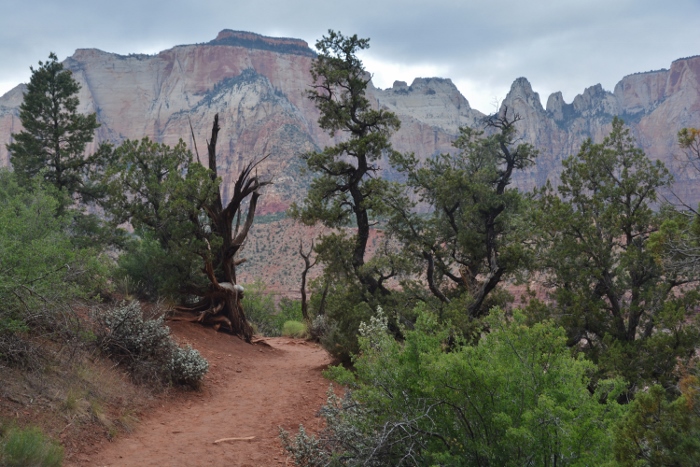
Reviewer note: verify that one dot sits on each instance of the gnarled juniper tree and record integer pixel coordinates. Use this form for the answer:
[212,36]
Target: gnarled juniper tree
[347,189]
[176,200]
[472,237]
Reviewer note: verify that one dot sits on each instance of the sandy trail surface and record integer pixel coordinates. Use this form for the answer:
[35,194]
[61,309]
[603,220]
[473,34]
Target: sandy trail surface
[249,391]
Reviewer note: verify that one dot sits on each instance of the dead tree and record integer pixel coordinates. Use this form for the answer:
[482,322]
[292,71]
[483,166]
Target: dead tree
[220,304]
[308,264]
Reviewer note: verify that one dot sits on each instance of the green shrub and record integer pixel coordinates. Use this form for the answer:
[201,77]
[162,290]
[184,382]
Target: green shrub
[149,271]
[28,447]
[340,338]
[659,430]
[146,347]
[294,329]
[259,308]
[517,397]
[41,271]
[268,318]
[344,309]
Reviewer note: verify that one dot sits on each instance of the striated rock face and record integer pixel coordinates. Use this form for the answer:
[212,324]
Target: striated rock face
[258,84]
[9,119]
[655,105]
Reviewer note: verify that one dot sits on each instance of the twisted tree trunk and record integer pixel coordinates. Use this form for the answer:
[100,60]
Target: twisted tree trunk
[221,303]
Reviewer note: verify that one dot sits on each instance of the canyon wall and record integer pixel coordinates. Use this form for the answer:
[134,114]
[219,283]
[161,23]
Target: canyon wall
[258,86]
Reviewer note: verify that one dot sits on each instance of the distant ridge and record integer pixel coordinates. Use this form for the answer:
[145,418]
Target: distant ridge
[252,40]
[685,58]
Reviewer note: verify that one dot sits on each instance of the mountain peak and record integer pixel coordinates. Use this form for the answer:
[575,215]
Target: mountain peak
[521,90]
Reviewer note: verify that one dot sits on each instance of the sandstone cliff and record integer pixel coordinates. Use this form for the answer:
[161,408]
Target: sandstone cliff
[655,105]
[257,85]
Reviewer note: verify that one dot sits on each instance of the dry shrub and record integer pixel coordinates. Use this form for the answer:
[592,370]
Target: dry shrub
[145,347]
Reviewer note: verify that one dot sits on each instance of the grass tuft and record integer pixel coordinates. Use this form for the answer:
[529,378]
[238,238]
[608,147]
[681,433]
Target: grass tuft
[294,329]
[29,447]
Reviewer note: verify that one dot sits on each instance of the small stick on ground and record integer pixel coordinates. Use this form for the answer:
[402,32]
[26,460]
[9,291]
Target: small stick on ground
[248,438]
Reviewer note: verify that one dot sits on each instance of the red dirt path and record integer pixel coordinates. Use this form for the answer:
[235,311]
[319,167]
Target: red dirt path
[250,390]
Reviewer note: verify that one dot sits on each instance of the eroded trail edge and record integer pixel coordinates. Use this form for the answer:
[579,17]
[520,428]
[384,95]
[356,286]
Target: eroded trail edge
[249,392]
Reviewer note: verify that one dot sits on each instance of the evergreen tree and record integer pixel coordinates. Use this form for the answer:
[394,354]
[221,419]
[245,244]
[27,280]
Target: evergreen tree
[176,204]
[160,191]
[659,431]
[55,135]
[614,298]
[347,189]
[472,238]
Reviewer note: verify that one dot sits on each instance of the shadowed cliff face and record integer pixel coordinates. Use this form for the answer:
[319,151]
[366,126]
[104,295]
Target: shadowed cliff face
[257,85]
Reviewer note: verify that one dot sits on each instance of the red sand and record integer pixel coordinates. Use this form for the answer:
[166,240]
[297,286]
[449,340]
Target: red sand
[250,391]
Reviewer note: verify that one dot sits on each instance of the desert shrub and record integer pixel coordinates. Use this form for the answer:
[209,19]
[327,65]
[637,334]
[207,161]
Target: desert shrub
[304,449]
[16,346]
[42,272]
[153,272]
[518,397]
[319,327]
[28,447]
[145,346]
[187,367]
[294,329]
[128,336]
[268,318]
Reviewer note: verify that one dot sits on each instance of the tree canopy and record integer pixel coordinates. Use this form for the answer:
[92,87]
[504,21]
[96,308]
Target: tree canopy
[55,135]
[472,238]
[611,294]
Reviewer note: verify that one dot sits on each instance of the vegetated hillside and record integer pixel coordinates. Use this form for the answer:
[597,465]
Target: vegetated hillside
[258,87]
[272,253]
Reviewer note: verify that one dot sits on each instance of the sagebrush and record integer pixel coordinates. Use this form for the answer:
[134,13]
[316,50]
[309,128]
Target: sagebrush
[145,346]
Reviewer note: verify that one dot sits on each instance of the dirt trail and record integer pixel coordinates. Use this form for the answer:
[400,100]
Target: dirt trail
[250,391]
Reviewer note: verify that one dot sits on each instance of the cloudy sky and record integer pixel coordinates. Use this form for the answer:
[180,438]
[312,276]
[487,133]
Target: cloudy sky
[559,45]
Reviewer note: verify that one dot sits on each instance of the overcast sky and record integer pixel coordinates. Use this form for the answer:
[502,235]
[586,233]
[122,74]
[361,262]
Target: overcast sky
[559,45]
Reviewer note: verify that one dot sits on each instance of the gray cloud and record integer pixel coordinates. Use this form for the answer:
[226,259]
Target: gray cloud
[562,45]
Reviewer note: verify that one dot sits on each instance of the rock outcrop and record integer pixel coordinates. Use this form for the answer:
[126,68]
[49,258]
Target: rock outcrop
[655,105]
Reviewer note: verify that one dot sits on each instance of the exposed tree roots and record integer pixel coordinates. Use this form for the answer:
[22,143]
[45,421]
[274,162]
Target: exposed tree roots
[222,308]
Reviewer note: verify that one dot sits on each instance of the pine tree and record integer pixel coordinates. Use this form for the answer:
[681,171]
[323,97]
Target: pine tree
[55,135]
